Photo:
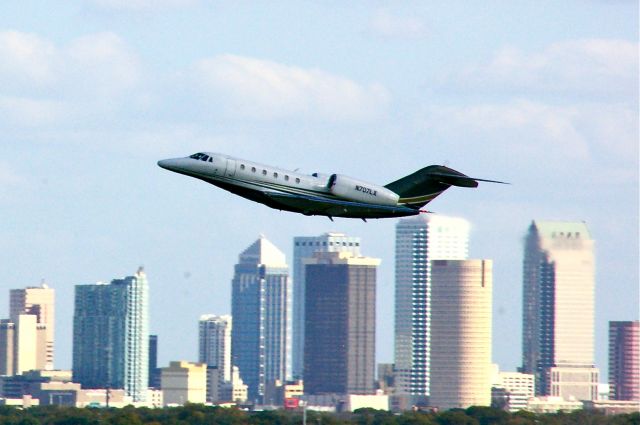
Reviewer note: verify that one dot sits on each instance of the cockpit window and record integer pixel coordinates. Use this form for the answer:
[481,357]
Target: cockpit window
[202,157]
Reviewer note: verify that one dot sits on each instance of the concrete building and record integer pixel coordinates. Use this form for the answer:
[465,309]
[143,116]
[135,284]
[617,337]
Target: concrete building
[184,382]
[22,345]
[558,280]
[260,303]
[340,313]
[553,404]
[624,360]
[17,386]
[29,344]
[612,407]
[7,338]
[236,391]
[214,347]
[277,392]
[305,247]
[512,390]
[220,391]
[111,335]
[461,369]
[419,240]
[40,302]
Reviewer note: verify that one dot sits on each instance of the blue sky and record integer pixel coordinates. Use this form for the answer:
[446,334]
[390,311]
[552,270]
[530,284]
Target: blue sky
[93,93]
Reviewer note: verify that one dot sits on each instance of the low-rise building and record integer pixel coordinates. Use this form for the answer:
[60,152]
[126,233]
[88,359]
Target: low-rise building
[276,392]
[511,391]
[184,382]
[553,404]
[612,407]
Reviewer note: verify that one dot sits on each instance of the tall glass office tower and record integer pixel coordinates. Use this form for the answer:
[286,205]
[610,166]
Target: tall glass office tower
[259,307]
[558,309]
[111,335]
[419,240]
[305,247]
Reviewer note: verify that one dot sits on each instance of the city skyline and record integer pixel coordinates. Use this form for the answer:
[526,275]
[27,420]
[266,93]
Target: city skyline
[558,262]
[542,95]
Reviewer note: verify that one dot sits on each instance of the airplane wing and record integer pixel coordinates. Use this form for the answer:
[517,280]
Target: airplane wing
[312,205]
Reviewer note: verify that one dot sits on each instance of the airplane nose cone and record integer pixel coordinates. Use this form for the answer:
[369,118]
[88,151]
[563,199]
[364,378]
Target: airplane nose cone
[168,164]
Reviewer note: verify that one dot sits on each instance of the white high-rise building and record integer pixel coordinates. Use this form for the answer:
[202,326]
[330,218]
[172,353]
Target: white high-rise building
[558,309]
[461,370]
[419,240]
[305,247]
[215,343]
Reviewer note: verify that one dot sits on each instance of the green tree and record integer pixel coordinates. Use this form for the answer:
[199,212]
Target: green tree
[455,417]
[488,415]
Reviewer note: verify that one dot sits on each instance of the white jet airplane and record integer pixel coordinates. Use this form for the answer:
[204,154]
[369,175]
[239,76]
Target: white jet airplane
[331,195]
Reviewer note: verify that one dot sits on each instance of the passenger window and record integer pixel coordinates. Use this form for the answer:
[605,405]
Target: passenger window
[275,175]
[242,166]
[253,169]
[286,177]
[264,172]
[297,180]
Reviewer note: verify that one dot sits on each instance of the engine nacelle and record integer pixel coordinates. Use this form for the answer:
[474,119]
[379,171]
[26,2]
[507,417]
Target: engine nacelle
[357,190]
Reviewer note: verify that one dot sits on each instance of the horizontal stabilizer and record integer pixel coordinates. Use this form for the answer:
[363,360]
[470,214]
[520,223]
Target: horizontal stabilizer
[461,180]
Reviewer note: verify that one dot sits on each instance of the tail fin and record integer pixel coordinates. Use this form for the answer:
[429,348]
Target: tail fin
[424,185]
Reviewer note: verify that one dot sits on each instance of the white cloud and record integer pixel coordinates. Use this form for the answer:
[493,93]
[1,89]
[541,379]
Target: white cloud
[26,58]
[388,25]
[265,89]
[96,62]
[600,67]
[105,60]
[533,131]
[45,82]
[30,112]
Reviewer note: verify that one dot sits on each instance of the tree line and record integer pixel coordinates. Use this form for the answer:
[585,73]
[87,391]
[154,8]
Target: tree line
[197,414]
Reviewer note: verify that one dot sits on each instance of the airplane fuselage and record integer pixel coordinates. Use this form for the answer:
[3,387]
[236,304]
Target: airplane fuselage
[317,194]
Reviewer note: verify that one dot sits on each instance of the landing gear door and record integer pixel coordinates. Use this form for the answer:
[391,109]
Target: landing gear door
[231,168]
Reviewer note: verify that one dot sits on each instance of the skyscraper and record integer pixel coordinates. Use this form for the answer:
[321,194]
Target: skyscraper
[419,240]
[214,346]
[305,247]
[40,302]
[624,360]
[558,309]
[461,370]
[154,370]
[111,335]
[259,307]
[340,323]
